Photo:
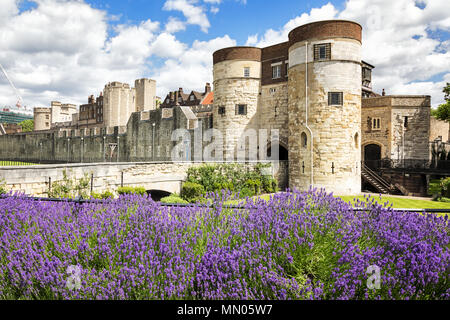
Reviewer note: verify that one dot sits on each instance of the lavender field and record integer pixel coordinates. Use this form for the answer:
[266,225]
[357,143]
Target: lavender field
[295,246]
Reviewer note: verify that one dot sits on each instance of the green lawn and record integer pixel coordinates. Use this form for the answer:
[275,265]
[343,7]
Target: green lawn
[403,203]
[398,203]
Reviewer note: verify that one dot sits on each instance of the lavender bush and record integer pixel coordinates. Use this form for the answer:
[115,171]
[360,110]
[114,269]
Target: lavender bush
[294,246]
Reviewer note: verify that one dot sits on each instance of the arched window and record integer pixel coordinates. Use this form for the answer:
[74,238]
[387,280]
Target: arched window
[304,140]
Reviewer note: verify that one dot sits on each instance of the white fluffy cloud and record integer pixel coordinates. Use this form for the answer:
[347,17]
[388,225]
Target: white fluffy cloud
[396,39]
[51,55]
[271,36]
[193,12]
[174,25]
[192,69]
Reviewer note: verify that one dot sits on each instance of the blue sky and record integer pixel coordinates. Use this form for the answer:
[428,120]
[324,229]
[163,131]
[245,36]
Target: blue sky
[68,49]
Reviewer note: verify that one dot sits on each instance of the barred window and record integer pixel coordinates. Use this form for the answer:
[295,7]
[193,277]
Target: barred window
[241,109]
[335,98]
[247,72]
[322,51]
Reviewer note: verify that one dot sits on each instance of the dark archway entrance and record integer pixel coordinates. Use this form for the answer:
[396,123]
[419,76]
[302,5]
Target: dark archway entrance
[372,156]
[157,195]
[283,153]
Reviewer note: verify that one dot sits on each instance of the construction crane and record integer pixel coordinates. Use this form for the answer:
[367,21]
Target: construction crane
[19,98]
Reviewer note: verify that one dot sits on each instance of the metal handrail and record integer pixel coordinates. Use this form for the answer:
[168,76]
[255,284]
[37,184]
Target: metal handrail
[375,176]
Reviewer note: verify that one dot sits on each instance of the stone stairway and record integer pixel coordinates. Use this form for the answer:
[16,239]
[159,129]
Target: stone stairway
[378,182]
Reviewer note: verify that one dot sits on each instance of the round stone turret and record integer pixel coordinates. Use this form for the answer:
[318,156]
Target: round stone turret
[237,82]
[325,106]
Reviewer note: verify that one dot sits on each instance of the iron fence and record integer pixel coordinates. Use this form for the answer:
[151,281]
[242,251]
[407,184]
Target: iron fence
[410,165]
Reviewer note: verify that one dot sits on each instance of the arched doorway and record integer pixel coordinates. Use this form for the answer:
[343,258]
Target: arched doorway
[372,155]
[157,195]
[282,152]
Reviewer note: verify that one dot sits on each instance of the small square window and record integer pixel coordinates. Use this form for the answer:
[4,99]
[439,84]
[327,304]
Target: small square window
[276,72]
[221,110]
[241,109]
[335,98]
[247,72]
[322,51]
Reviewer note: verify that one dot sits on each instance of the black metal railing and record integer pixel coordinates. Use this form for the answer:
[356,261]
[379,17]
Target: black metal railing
[409,165]
[212,206]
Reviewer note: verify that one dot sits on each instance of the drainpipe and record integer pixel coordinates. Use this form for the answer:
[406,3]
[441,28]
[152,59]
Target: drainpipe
[306,116]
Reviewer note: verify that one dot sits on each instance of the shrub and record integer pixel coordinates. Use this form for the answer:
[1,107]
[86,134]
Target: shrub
[192,191]
[445,185]
[69,188]
[174,199]
[132,190]
[3,187]
[105,195]
[236,178]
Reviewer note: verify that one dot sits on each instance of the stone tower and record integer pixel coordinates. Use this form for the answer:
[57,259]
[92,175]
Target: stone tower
[42,119]
[145,94]
[237,82]
[324,106]
[118,104]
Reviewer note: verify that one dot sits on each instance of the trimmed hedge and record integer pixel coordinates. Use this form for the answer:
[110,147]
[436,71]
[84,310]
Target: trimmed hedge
[132,190]
[174,199]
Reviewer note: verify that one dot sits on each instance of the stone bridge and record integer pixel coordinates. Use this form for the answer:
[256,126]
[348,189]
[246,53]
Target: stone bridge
[155,177]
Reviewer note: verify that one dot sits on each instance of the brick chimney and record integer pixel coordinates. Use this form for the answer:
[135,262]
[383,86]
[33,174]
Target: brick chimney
[207,88]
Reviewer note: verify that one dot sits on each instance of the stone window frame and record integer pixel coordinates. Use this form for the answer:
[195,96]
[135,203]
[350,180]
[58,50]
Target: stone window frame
[272,90]
[304,140]
[276,70]
[246,72]
[327,51]
[221,110]
[286,63]
[331,98]
[241,110]
[376,124]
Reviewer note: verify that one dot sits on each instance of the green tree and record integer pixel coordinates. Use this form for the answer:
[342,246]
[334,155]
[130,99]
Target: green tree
[27,125]
[443,112]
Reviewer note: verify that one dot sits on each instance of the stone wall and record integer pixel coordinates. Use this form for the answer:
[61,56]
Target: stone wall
[439,128]
[405,126]
[382,136]
[410,141]
[273,111]
[34,180]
